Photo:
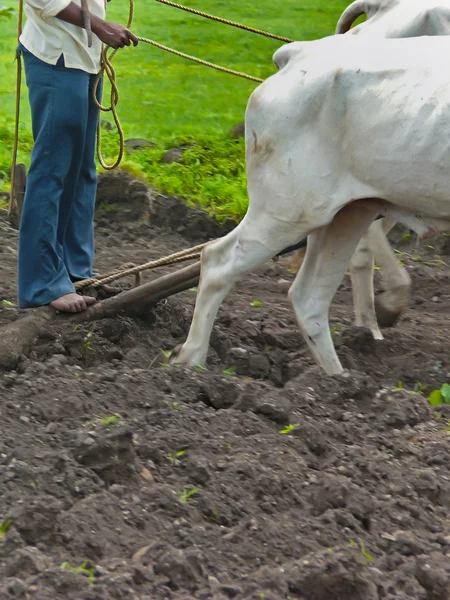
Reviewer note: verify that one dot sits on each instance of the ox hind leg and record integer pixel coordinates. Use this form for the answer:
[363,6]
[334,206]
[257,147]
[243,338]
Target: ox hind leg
[393,301]
[385,309]
[223,262]
[361,273]
[329,251]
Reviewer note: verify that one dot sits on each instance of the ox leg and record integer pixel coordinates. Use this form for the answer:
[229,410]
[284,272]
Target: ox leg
[396,280]
[328,254]
[223,262]
[361,273]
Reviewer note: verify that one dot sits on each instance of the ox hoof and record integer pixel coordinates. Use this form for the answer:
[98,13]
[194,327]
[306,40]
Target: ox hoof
[175,354]
[385,316]
[183,357]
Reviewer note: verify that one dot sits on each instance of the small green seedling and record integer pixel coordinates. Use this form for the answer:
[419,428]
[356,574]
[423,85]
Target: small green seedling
[83,569]
[362,547]
[364,552]
[111,420]
[177,405]
[199,368]
[229,371]
[398,388]
[87,342]
[8,304]
[439,397]
[167,354]
[108,208]
[174,458]
[4,528]
[194,290]
[186,495]
[256,304]
[289,428]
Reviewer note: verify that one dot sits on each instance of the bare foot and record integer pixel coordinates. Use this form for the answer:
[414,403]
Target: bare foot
[72,303]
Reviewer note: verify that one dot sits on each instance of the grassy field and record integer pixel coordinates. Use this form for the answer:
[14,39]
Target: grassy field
[167,99]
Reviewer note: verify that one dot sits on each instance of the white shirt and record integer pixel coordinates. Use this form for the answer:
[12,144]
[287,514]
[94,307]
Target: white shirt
[47,37]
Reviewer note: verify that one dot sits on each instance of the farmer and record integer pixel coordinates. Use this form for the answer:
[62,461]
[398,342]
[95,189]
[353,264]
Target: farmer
[56,244]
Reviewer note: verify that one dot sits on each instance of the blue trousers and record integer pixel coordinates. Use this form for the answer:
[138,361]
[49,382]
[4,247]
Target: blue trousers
[56,240]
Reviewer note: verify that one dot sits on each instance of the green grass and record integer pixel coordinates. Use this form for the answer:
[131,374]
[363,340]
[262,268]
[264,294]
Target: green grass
[166,99]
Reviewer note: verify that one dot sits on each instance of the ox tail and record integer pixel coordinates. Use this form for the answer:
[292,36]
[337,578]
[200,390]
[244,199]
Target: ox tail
[303,243]
[349,16]
[297,246]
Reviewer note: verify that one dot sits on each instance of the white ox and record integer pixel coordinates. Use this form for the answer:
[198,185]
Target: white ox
[390,19]
[351,127]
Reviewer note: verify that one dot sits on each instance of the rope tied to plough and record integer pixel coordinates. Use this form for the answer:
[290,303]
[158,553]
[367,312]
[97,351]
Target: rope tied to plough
[128,270]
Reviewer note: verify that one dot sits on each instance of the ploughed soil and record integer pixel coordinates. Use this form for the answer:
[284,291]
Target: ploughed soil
[124,478]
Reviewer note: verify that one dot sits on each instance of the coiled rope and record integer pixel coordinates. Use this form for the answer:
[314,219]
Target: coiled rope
[108,70]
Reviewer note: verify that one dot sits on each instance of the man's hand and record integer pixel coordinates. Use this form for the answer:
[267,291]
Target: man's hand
[114,34]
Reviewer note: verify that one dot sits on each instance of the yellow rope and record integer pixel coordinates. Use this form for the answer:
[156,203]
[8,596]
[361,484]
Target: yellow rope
[188,254]
[17,115]
[108,70]
[200,61]
[225,21]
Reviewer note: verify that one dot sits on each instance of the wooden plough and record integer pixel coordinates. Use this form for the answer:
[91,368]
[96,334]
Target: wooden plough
[17,337]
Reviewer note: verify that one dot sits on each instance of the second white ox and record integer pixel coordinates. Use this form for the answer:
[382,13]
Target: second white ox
[351,127]
[390,19]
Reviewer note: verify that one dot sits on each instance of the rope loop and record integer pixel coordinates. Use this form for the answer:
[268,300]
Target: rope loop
[108,71]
